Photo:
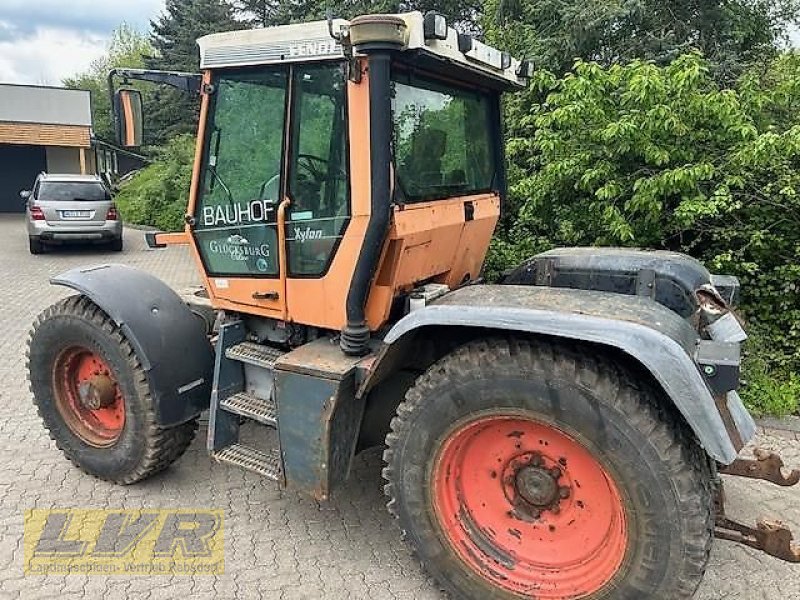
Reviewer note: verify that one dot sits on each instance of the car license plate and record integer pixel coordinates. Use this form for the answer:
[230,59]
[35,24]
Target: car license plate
[76,214]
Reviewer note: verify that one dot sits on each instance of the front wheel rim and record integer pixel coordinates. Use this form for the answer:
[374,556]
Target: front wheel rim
[528,507]
[88,396]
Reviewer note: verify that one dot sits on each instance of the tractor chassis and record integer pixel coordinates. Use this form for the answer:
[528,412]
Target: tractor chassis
[771,537]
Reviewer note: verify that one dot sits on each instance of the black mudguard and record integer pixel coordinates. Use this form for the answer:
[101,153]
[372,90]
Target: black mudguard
[169,340]
[670,278]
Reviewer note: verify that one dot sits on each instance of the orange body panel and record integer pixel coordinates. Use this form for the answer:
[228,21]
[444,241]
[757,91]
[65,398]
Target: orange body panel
[173,239]
[430,241]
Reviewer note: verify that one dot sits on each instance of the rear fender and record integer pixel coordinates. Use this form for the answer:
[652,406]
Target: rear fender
[169,340]
[654,336]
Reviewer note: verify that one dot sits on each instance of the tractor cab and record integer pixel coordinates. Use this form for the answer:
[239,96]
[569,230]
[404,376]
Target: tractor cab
[342,165]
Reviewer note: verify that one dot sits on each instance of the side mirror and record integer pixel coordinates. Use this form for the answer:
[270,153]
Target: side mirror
[25,194]
[128,117]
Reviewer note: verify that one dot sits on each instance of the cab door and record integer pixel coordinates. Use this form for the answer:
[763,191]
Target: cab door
[235,226]
[274,197]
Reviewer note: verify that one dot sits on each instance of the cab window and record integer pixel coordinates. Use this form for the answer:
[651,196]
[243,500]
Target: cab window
[236,215]
[318,179]
[442,140]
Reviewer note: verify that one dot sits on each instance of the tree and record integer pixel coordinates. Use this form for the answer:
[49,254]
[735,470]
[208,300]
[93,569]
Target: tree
[732,34]
[127,48]
[663,157]
[266,13]
[174,40]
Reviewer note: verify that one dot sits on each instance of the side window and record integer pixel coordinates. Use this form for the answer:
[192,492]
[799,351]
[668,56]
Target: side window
[318,171]
[442,140]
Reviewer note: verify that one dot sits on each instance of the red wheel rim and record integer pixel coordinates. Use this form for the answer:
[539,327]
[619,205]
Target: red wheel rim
[529,508]
[88,396]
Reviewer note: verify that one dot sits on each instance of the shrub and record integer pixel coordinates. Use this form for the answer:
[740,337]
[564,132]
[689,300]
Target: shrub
[158,194]
[662,157]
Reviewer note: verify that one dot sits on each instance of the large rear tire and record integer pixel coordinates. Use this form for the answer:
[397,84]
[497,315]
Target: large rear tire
[521,470]
[92,393]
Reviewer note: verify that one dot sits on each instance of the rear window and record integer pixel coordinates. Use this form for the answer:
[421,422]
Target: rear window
[80,191]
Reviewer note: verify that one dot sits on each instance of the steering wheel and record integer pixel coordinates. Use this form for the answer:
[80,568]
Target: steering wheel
[318,168]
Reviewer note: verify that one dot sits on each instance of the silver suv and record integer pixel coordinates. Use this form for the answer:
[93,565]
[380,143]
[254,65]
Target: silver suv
[65,208]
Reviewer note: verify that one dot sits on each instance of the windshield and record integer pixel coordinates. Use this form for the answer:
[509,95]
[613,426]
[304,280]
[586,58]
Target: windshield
[237,211]
[70,191]
[246,141]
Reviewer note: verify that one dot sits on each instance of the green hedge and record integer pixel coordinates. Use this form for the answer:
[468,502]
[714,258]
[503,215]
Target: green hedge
[661,157]
[157,195]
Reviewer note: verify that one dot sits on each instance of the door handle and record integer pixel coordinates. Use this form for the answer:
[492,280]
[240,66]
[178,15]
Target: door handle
[266,295]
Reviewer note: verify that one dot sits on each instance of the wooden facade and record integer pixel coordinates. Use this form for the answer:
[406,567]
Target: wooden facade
[36,134]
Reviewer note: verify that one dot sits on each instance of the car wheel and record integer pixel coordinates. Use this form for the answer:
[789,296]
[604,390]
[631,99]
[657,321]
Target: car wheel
[35,245]
[116,245]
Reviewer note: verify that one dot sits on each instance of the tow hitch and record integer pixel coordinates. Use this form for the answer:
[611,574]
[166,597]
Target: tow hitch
[771,537]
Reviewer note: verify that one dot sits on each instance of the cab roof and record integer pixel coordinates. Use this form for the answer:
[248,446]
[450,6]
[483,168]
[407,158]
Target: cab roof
[312,42]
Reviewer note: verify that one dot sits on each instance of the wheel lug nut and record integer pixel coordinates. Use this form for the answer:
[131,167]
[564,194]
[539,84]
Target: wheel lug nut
[555,509]
[564,492]
[536,460]
[555,472]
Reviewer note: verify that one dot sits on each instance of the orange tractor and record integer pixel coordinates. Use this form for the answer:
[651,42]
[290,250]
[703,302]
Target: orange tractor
[558,435]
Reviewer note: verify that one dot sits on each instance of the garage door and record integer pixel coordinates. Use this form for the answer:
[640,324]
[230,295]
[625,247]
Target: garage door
[19,166]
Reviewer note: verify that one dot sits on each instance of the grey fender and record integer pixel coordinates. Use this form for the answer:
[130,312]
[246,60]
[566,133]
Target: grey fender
[169,340]
[651,334]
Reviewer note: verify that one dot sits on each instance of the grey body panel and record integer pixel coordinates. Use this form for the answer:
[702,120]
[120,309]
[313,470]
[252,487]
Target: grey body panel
[653,335]
[319,415]
[168,338]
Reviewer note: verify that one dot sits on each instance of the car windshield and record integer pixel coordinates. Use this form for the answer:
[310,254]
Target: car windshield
[85,191]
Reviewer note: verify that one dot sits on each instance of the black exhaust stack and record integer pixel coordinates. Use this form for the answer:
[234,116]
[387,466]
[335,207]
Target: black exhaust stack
[356,334]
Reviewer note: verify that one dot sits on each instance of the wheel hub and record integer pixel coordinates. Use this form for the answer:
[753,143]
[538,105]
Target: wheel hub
[529,507]
[536,486]
[88,396]
[97,392]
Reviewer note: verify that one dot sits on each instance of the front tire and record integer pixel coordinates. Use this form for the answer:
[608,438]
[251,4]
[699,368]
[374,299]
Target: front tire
[92,393]
[116,245]
[521,470]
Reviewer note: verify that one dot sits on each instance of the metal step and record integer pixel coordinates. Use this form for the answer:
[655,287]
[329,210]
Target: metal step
[266,464]
[254,354]
[252,407]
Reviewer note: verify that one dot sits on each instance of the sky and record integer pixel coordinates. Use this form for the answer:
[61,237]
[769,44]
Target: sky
[44,41]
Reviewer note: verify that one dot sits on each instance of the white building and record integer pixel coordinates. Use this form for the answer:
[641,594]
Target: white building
[41,129]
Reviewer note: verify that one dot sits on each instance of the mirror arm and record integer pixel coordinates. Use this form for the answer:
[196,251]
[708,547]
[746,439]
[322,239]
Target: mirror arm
[186,82]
